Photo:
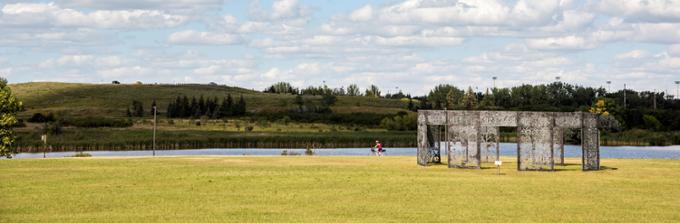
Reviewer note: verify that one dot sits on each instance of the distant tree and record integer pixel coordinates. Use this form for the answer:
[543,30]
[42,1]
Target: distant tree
[281,88]
[170,111]
[40,118]
[115,82]
[373,92]
[469,100]
[227,107]
[185,110]
[300,102]
[353,90]
[137,108]
[444,96]
[651,122]
[488,101]
[9,108]
[411,106]
[328,100]
[240,108]
[194,110]
[202,108]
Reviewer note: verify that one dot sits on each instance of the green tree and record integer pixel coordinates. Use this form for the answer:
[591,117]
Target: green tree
[651,122]
[469,100]
[353,90]
[439,96]
[137,108]
[488,102]
[9,106]
[373,92]
[300,102]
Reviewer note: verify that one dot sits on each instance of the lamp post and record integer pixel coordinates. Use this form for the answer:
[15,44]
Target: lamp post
[677,89]
[155,120]
[557,78]
[609,86]
[494,81]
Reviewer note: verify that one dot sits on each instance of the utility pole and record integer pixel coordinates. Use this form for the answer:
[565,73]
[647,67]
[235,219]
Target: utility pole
[494,81]
[557,78]
[624,96]
[155,120]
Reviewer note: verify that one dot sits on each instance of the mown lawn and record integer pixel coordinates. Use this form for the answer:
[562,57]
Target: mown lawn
[330,189]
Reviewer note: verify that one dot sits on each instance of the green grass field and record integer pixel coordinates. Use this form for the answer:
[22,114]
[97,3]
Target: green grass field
[330,189]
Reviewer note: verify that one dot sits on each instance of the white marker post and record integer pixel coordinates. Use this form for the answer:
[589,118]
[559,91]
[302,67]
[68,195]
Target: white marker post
[498,164]
[43,138]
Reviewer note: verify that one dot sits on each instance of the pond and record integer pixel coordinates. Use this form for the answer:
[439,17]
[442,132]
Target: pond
[507,149]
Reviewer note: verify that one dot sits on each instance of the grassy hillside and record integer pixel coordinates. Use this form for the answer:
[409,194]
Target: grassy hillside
[112,100]
[331,189]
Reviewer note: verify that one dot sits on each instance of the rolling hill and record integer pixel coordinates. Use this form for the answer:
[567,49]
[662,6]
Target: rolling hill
[78,99]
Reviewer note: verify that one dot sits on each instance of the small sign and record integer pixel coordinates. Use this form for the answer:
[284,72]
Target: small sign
[498,162]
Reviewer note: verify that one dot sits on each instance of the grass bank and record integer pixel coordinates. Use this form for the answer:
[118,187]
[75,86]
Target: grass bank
[140,139]
[330,189]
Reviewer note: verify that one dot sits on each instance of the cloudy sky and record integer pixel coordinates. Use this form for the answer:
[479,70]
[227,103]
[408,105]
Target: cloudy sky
[407,44]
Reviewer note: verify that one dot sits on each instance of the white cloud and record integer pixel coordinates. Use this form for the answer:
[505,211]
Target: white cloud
[195,37]
[561,43]
[50,14]
[362,14]
[633,54]
[284,9]
[641,10]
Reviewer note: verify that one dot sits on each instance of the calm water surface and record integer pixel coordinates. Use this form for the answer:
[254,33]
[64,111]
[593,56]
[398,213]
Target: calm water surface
[507,149]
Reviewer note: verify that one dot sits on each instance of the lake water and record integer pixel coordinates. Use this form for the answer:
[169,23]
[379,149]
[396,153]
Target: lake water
[507,149]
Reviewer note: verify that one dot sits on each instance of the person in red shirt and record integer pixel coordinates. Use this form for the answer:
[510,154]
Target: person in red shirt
[379,146]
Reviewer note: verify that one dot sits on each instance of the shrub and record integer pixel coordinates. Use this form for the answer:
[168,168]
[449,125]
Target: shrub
[249,128]
[40,118]
[81,154]
[651,122]
[400,122]
[53,128]
[96,122]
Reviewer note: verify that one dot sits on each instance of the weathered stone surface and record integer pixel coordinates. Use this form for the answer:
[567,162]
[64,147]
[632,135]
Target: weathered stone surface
[558,145]
[435,117]
[535,148]
[472,137]
[568,120]
[590,142]
[498,118]
[423,147]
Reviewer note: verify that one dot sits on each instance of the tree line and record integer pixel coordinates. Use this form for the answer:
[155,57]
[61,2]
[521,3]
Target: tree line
[351,90]
[183,107]
[630,109]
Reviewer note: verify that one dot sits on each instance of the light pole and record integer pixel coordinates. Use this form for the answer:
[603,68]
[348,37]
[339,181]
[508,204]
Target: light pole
[677,89]
[155,120]
[609,86]
[557,78]
[494,81]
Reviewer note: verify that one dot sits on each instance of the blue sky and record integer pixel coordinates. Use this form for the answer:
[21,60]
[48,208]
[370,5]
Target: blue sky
[412,45]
